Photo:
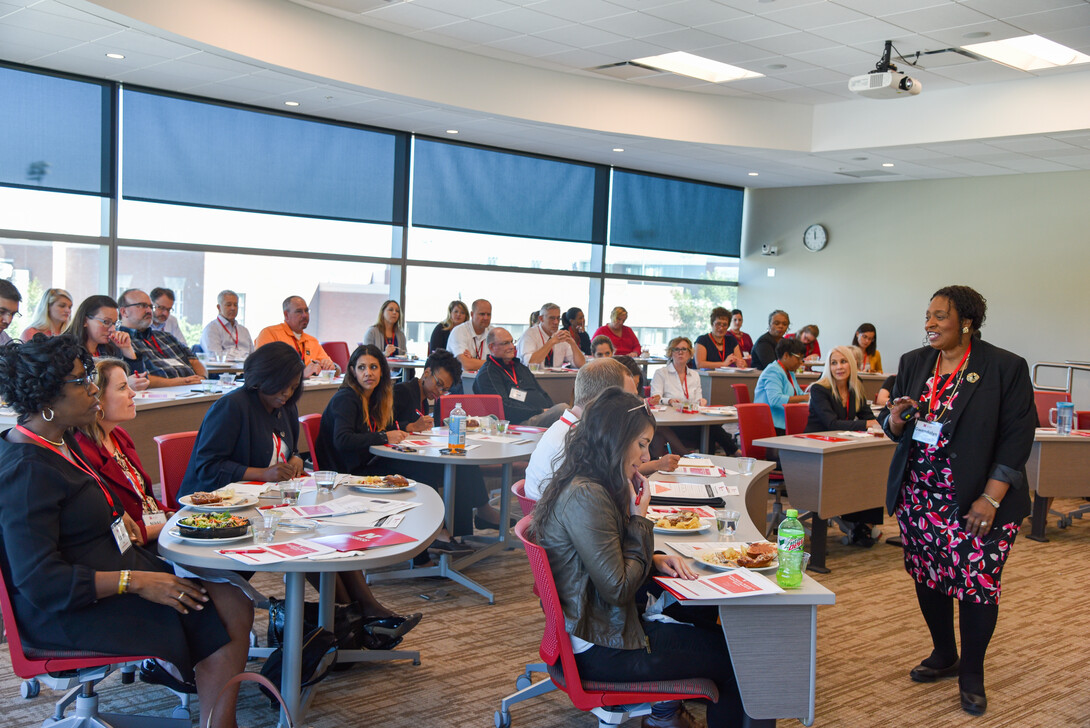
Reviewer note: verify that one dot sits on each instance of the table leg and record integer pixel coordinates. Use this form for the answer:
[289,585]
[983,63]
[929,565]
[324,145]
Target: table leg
[819,530]
[292,665]
[705,431]
[327,596]
[1039,519]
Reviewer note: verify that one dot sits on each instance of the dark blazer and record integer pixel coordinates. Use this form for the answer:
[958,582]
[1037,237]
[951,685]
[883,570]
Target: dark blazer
[990,432]
[237,433]
[764,351]
[493,379]
[345,438]
[407,404]
[439,338]
[827,411]
[104,464]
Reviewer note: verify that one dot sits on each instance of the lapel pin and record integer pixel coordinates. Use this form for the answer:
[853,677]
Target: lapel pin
[972,377]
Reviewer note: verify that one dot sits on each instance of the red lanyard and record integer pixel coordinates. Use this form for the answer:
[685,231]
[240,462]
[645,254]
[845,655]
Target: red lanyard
[298,344]
[391,340]
[865,360]
[936,394]
[130,472]
[228,330]
[277,443]
[567,422]
[790,377]
[479,347]
[683,376]
[75,460]
[513,377]
[721,349]
[151,338]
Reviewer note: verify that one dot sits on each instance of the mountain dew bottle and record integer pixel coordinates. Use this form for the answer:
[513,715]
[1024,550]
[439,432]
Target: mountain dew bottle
[789,546]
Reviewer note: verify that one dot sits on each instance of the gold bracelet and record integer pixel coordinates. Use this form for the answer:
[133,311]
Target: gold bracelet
[123,582]
[993,501]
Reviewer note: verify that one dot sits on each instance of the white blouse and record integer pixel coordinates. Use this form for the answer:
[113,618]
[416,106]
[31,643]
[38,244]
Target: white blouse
[667,385]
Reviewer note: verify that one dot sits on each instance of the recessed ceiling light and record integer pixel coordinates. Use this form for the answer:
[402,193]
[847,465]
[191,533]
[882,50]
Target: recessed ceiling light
[291,103]
[115,56]
[452,131]
[754,174]
[1028,53]
[977,34]
[618,149]
[887,164]
[686,64]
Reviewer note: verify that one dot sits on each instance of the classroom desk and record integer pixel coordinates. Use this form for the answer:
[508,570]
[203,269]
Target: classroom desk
[1057,467]
[788,621]
[832,478]
[717,389]
[185,412]
[672,418]
[488,453]
[560,386]
[422,523]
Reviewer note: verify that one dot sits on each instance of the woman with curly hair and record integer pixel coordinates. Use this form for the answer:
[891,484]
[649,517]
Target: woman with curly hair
[71,557]
[963,417]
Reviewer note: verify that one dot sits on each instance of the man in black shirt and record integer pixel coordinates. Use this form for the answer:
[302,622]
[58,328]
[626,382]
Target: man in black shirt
[524,401]
[764,349]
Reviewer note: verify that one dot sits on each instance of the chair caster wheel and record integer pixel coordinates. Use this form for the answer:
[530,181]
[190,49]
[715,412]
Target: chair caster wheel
[523,682]
[501,719]
[30,688]
[180,713]
[416,661]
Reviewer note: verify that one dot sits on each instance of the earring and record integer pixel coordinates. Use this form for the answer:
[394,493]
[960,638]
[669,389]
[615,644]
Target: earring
[964,329]
[49,417]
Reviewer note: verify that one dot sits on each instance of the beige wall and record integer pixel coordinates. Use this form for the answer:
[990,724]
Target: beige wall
[1023,241]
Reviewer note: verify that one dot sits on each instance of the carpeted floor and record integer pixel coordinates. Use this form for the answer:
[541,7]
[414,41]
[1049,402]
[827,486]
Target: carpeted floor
[472,652]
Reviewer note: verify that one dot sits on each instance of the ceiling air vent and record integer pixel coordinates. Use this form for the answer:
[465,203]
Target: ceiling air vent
[625,70]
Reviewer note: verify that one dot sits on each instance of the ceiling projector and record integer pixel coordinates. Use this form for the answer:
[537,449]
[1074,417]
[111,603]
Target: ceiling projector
[885,81]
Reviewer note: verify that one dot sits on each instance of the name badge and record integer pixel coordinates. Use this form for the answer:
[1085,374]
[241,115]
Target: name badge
[519,395]
[927,432]
[155,518]
[171,362]
[121,535]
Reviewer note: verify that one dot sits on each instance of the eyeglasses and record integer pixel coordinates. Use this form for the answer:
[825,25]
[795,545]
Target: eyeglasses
[4,313]
[683,350]
[166,309]
[644,406]
[108,324]
[144,306]
[443,388]
[87,380]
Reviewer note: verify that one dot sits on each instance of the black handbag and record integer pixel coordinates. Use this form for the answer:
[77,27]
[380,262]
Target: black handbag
[350,627]
[318,644]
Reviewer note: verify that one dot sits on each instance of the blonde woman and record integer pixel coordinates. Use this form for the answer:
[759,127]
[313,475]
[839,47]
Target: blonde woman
[52,314]
[623,338]
[387,335]
[457,313]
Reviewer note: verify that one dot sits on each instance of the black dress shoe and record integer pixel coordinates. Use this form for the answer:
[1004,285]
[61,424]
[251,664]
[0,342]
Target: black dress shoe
[153,673]
[973,703]
[450,547]
[482,525]
[391,626]
[924,674]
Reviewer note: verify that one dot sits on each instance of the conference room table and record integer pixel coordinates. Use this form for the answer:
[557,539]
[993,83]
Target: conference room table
[1057,468]
[422,523]
[559,385]
[717,384]
[504,451]
[181,409]
[667,416]
[830,474]
[772,638]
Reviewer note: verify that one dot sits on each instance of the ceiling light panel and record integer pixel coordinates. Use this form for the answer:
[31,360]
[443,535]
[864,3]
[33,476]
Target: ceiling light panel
[687,64]
[1028,53]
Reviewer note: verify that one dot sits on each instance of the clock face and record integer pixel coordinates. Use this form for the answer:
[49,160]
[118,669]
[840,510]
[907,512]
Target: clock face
[815,238]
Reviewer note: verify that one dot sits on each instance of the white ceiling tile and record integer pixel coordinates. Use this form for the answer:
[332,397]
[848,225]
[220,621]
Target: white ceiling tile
[1031,145]
[524,20]
[66,27]
[464,8]
[838,56]
[629,49]
[270,82]
[228,92]
[136,42]
[759,7]
[56,8]
[1032,166]
[472,31]
[686,39]
[955,37]
[528,45]
[1014,8]
[668,80]
[816,15]
[413,15]
[46,42]
[580,11]
[1077,38]
[636,25]
[792,43]
[646,4]
[747,28]
[981,72]
[878,8]
[924,20]
[211,60]
[579,36]
[862,31]
[578,58]
[740,54]
[695,13]
[1054,20]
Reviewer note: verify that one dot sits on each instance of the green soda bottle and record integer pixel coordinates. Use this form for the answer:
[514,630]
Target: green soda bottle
[789,547]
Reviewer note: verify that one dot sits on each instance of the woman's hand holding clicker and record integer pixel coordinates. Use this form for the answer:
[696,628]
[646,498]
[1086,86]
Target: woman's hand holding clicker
[897,408]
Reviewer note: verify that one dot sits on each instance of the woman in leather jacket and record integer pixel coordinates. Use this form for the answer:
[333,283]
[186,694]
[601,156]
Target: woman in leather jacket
[601,549]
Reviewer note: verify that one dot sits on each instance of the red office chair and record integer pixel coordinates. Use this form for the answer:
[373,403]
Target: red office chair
[611,702]
[77,672]
[526,503]
[338,352]
[311,424]
[754,423]
[795,416]
[741,393]
[475,405]
[174,452]
[1046,401]
[1082,419]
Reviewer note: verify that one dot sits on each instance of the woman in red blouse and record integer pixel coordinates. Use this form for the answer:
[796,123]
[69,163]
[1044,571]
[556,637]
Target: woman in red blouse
[623,338]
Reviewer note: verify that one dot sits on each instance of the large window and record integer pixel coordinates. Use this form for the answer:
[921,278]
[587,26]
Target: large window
[659,311]
[476,249]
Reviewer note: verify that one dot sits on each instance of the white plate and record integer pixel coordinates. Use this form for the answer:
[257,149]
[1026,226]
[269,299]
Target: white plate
[210,541]
[736,544]
[246,502]
[666,529]
[377,488]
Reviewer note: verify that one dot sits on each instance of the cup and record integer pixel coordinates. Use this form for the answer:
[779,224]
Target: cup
[727,522]
[645,352]
[805,561]
[202,356]
[1062,417]
[289,491]
[325,480]
[227,379]
[501,426]
[270,520]
[745,465]
[537,367]
[326,375]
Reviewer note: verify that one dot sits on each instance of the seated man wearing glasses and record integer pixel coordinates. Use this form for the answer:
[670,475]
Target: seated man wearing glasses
[167,360]
[162,304]
[292,333]
[524,401]
[10,298]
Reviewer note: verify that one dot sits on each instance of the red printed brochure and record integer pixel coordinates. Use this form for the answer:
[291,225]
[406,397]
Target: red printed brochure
[368,538]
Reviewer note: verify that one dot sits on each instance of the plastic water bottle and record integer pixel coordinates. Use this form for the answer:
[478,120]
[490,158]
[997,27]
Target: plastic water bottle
[457,439]
[789,548]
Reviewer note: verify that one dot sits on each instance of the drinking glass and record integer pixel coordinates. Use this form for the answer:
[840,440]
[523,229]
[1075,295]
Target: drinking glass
[325,480]
[289,491]
[727,522]
[271,519]
[501,426]
[745,465]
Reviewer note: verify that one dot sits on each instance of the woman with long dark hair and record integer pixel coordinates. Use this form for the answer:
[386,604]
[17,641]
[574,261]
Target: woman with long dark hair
[591,523]
[574,322]
[95,325]
[866,338]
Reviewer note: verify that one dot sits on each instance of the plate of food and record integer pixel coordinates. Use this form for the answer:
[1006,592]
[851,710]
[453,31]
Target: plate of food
[681,522]
[379,483]
[212,528]
[753,555]
[224,499]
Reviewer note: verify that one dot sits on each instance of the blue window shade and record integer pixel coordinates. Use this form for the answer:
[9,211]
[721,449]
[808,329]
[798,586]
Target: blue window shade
[195,153]
[459,187]
[670,214]
[55,133]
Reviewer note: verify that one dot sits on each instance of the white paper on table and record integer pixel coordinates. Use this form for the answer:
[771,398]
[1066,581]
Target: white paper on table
[726,585]
[703,471]
[696,462]
[723,490]
[275,553]
[334,555]
[497,438]
[724,411]
[252,489]
[667,489]
[854,433]
[657,512]
[694,550]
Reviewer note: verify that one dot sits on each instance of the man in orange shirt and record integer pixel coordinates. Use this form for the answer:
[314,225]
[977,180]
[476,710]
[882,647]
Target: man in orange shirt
[296,319]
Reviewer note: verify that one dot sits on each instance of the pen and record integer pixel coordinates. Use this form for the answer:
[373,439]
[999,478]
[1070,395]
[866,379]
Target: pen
[668,450]
[243,551]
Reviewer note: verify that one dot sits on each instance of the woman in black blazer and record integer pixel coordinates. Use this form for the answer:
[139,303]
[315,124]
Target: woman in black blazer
[963,416]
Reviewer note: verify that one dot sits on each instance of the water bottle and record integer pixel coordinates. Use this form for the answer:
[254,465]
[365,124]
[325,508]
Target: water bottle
[789,547]
[457,439]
